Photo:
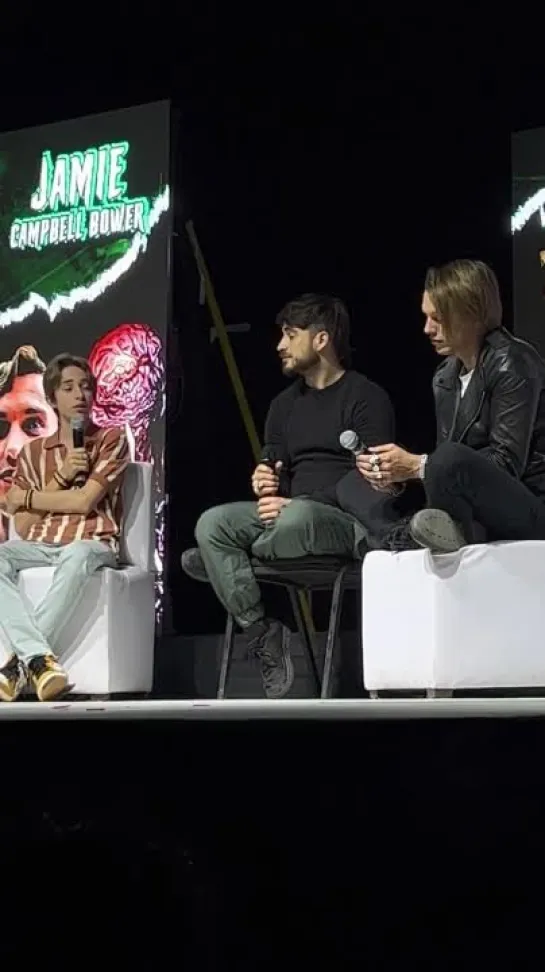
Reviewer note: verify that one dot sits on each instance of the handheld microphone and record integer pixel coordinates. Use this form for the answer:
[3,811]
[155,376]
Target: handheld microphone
[268,460]
[351,441]
[78,438]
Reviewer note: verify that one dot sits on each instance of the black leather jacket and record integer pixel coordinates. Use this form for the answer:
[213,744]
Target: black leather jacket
[502,413]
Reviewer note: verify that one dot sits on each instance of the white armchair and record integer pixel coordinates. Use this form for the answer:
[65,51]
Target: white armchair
[467,620]
[107,644]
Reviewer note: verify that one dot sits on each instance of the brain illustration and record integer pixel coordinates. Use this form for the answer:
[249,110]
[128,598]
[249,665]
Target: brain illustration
[128,365]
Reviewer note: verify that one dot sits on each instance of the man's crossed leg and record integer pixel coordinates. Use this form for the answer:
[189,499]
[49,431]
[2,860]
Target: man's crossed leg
[230,535]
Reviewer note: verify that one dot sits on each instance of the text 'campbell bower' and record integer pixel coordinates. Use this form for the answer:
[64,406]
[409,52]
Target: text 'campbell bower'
[81,196]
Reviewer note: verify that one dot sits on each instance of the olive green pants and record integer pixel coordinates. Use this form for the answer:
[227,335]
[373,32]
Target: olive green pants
[230,535]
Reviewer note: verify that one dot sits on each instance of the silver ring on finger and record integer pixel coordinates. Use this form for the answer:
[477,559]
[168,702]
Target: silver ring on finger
[379,474]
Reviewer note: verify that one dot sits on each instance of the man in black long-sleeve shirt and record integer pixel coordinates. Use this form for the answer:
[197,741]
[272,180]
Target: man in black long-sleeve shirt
[297,513]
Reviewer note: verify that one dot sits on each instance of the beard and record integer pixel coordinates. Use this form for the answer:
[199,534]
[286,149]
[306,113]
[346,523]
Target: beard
[301,365]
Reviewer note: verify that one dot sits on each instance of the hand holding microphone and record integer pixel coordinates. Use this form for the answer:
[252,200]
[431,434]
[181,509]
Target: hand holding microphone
[266,477]
[75,468]
[369,464]
[265,484]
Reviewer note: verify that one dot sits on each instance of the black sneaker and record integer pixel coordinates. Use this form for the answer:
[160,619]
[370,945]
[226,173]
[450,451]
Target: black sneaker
[270,645]
[436,530]
[13,679]
[400,538]
[193,565]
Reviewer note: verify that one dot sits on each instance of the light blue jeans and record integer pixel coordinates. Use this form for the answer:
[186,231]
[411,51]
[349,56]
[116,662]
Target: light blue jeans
[33,633]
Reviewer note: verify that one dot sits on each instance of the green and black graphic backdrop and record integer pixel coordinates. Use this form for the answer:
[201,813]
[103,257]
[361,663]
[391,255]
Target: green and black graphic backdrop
[84,254]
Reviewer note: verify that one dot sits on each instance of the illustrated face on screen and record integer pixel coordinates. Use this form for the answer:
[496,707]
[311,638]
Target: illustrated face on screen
[128,365]
[24,415]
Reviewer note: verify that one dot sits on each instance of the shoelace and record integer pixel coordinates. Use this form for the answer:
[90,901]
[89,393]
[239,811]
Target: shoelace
[400,537]
[257,645]
[268,657]
[268,660]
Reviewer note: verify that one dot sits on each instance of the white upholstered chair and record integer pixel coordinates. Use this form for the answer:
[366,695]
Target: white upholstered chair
[107,644]
[469,620]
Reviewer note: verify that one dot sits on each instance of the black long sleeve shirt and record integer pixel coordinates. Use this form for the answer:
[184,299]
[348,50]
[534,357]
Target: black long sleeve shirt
[303,428]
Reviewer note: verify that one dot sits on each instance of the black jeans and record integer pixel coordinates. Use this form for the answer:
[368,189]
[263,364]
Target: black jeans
[487,502]
[378,512]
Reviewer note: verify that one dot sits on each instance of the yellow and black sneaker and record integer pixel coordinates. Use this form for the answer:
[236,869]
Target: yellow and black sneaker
[48,677]
[13,679]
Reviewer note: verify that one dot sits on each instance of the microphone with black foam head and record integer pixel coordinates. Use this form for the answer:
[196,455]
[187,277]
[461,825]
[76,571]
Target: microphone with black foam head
[78,440]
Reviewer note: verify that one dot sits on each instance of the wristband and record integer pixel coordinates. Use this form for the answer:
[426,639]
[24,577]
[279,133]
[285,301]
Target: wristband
[422,466]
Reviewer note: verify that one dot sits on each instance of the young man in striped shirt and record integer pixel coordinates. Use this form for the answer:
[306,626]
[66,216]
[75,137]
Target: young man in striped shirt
[66,504]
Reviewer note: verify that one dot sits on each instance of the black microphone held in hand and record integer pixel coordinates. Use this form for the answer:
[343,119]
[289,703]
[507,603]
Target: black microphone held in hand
[267,459]
[78,439]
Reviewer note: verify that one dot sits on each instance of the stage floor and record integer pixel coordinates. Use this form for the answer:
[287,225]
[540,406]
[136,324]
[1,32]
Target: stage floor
[306,709]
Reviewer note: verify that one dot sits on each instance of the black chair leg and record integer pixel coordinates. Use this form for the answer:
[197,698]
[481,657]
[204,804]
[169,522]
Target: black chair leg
[306,640]
[226,655]
[333,631]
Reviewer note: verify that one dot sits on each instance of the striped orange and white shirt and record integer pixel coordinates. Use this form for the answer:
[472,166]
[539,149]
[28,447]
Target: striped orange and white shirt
[109,455]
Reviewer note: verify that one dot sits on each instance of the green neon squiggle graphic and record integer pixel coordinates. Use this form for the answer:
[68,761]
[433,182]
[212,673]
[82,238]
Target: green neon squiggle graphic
[89,293]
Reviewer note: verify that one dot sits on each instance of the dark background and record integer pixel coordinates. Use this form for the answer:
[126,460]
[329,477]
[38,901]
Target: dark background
[337,154]
[340,151]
